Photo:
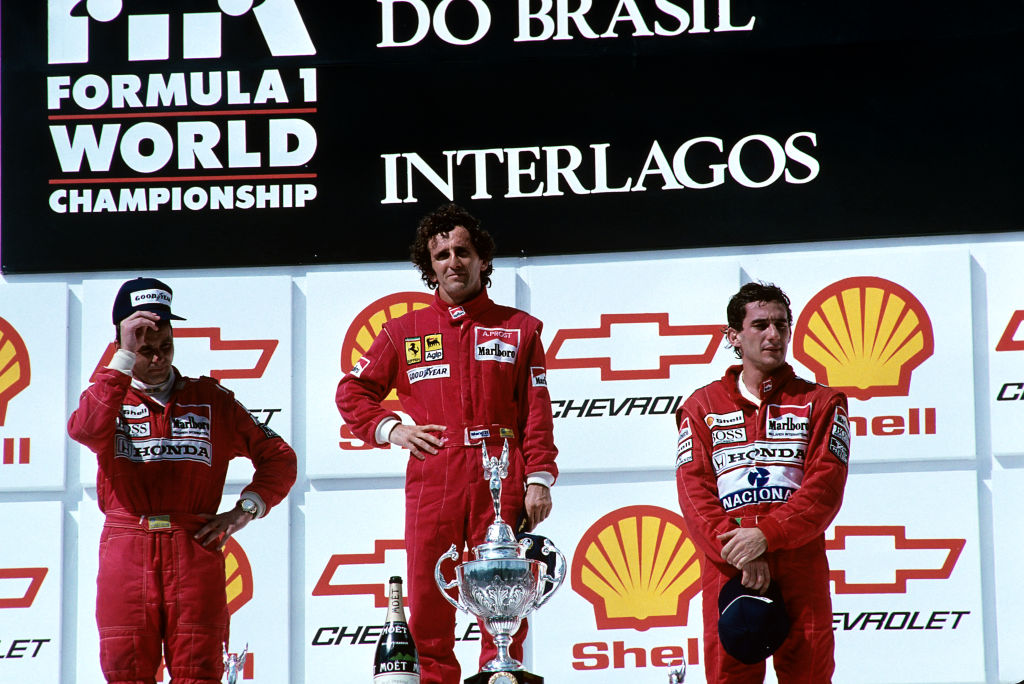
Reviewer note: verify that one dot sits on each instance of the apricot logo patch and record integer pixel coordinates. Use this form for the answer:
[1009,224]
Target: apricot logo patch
[638,567]
[864,336]
[15,371]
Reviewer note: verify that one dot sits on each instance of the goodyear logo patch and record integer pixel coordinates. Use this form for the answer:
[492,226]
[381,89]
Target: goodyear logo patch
[839,437]
[714,420]
[413,350]
[433,349]
[506,433]
[538,376]
[788,421]
[429,373]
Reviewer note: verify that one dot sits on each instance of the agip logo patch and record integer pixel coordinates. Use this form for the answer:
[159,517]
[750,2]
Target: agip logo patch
[639,569]
[864,336]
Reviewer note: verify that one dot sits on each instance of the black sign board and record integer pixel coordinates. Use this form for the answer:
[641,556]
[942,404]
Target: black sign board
[212,133]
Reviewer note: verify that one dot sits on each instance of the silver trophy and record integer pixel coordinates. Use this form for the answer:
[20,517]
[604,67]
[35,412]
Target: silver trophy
[677,676]
[502,586]
[233,663]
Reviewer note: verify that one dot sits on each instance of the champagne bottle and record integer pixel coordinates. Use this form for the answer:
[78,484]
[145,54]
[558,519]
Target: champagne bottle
[395,661]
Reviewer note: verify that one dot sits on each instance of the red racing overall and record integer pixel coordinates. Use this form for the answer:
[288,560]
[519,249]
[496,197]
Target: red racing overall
[780,467]
[478,369]
[159,468]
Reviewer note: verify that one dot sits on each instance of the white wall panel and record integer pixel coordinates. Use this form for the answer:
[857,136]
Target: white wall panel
[31,581]
[626,344]
[892,328]
[346,312]
[33,377]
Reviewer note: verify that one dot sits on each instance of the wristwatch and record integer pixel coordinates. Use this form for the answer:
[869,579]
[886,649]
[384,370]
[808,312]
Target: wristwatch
[249,506]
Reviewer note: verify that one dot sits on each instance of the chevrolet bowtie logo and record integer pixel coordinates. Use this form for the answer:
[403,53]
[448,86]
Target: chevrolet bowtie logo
[265,348]
[325,586]
[899,547]
[558,358]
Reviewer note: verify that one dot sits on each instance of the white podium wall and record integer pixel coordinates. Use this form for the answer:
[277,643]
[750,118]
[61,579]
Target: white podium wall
[924,553]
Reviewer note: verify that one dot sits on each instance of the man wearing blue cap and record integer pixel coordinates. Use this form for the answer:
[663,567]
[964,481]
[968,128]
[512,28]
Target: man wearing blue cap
[761,466]
[163,442]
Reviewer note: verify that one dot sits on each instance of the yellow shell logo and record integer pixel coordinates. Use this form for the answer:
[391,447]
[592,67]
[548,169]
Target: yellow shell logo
[638,567]
[15,371]
[864,336]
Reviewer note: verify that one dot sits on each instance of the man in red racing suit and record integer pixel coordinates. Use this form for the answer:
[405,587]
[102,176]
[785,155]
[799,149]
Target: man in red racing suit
[163,443]
[466,370]
[760,472]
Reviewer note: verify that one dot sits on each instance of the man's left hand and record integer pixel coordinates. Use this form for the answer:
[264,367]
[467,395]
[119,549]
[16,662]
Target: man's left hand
[742,545]
[221,526]
[538,504]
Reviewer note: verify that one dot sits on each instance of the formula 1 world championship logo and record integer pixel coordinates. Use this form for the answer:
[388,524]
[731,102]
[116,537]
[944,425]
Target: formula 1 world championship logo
[152,32]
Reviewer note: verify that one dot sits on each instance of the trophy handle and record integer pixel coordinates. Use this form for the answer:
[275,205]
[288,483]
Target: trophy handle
[553,582]
[444,585]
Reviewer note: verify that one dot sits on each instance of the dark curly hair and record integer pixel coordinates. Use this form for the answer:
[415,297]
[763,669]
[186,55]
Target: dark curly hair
[444,220]
[736,311]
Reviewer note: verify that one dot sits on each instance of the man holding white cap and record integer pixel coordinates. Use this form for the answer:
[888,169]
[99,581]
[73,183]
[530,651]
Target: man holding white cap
[163,442]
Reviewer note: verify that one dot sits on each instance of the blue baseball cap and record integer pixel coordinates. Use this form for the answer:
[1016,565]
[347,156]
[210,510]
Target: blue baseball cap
[751,626]
[144,294]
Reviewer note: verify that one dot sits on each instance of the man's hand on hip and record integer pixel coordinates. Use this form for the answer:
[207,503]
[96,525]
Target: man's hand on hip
[221,526]
[742,546]
[420,440]
[538,504]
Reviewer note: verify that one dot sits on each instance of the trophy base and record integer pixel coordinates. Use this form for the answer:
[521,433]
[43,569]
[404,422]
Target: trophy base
[510,677]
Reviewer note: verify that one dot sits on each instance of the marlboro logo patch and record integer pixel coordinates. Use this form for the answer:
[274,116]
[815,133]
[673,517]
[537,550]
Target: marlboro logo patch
[496,344]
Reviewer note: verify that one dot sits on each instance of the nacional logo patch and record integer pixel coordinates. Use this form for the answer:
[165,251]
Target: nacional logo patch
[496,344]
[538,376]
[479,434]
[360,366]
[413,350]
[714,420]
[433,350]
[429,373]
[784,421]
